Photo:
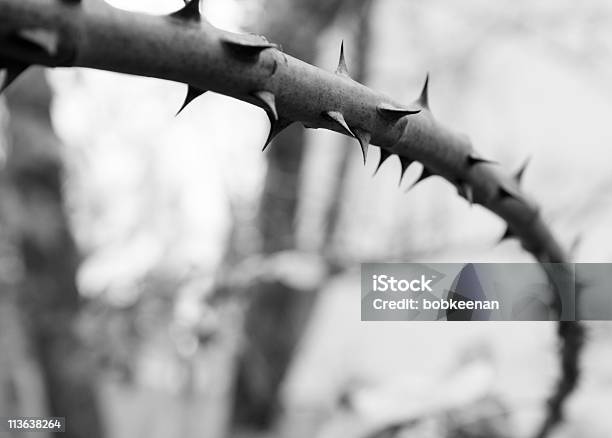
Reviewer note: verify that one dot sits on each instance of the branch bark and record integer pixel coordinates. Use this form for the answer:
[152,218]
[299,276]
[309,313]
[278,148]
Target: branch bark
[183,47]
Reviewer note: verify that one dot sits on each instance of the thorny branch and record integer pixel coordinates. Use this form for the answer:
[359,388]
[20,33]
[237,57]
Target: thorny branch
[184,47]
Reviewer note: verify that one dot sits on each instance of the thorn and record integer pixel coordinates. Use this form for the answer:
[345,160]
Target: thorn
[508,234]
[192,94]
[43,39]
[338,118]
[424,97]
[190,12]
[467,192]
[384,154]
[405,163]
[246,47]
[575,245]
[342,69]
[269,102]
[11,72]
[392,112]
[506,193]
[425,173]
[473,159]
[364,138]
[276,128]
[518,176]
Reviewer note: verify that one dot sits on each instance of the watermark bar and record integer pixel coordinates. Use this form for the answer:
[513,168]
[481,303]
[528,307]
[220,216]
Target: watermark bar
[486,291]
[33,424]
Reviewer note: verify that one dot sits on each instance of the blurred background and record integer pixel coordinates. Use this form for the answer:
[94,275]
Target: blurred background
[161,277]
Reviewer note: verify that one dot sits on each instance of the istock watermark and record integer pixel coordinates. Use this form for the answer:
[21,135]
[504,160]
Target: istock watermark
[384,283]
[485,292]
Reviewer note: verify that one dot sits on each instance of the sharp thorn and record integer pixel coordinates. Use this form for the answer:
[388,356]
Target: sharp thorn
[276,128]
[192,94]
[191,11]
[506,193]
[508,234]
[364,138]
[392,112]
[518,176]
[246,47]
[467,192]
[44,39]
[425,173]
[384,154]
[269,102]
[342,69]
[424,97]
[11,73]
[575,245]
[473,159]
[338,119]
[405,163]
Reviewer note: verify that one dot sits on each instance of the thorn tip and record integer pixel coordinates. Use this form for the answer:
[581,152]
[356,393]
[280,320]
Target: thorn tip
[518,176]
[342,68]
[425,173]
[384,154]
[424,97]
[364,138]
[276,127]
[405,163]
[508,234]
[467,192]
[192,94]
[11,73]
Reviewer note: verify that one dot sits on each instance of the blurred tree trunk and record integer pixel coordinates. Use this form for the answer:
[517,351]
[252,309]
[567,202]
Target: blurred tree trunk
[47,293]
[358,69]
[271,324]
[22,391]
[298,25]
[278,311]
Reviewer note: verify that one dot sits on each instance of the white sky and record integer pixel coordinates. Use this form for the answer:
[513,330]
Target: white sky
[226,14]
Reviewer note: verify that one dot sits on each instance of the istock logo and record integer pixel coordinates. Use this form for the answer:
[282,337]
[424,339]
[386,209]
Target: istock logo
[388,283]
